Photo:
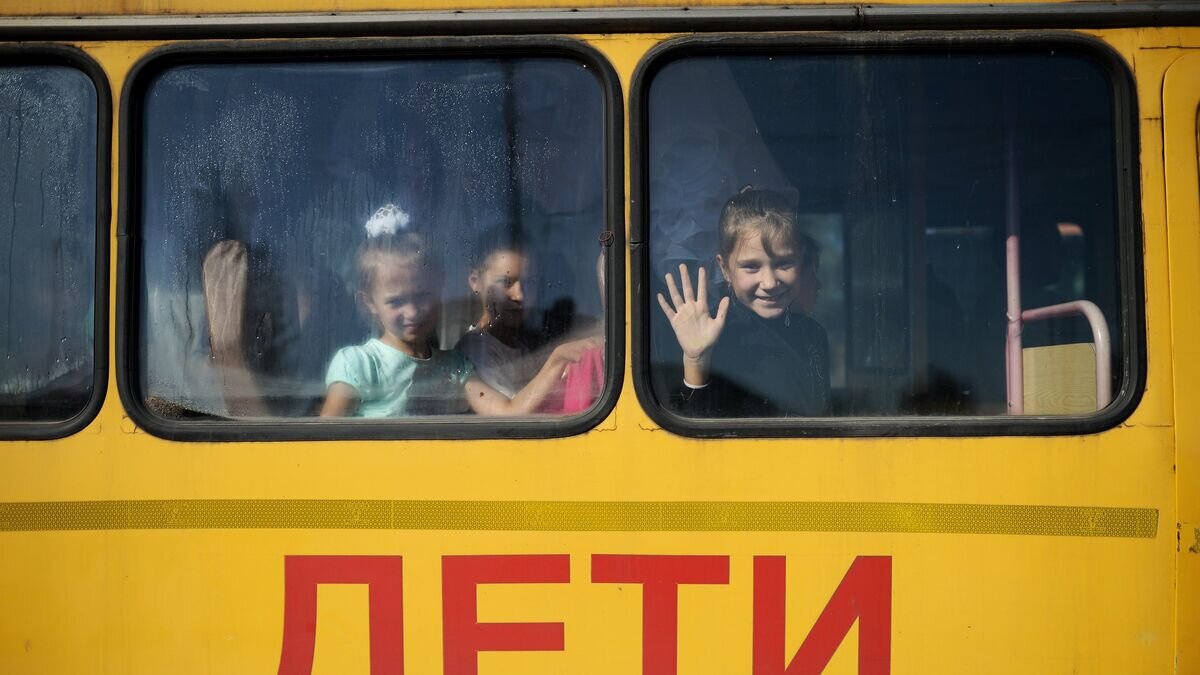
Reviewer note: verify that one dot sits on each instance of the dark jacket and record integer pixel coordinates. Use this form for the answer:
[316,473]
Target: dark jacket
[762,368]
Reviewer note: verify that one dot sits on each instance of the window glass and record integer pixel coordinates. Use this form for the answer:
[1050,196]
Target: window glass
[864,270]
[380,239]
[47,242]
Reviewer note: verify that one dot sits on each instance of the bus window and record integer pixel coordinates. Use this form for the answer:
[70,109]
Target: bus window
[48,118]
[383,239]
[864,225]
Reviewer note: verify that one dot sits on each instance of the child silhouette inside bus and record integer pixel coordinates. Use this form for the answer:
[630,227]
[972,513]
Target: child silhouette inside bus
[760,355]
[497,343]
[503,351]
[401,372]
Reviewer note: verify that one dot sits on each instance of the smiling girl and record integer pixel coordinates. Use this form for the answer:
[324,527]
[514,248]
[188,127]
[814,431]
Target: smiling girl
[759,356]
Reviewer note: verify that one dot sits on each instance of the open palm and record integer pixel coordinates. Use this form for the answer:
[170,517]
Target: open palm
[695,329]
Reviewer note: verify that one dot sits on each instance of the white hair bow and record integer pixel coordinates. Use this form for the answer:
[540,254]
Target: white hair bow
[389,219]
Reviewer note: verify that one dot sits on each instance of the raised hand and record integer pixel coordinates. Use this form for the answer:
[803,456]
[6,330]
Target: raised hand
[226,273]
[695,329]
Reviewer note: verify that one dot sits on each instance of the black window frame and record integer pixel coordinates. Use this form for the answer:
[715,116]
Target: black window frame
[1131,305]
[363,49]
[38,54]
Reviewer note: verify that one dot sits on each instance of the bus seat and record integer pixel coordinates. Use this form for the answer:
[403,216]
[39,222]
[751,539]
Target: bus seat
[1060,379]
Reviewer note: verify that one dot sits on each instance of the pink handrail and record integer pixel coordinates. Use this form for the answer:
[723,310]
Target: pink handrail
[1100,339]
[1014,363]
[1014,360]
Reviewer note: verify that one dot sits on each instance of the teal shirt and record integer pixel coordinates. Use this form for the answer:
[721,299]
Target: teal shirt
[391,383]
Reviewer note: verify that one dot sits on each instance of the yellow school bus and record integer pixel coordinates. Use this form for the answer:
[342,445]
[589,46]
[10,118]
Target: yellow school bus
[506,336]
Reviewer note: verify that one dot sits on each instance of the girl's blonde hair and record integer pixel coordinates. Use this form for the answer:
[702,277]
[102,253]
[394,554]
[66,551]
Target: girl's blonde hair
[766,213]
[404,247]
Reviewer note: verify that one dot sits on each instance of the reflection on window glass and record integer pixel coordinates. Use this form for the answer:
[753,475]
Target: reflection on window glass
[372,239]
[828,235]
[47,242]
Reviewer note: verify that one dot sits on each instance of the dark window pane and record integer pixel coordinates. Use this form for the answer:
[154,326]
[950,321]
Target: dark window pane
[896,177]
[47,242]
[259,181]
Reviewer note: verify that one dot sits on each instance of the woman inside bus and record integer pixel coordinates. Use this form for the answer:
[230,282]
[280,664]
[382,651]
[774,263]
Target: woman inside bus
[760,355]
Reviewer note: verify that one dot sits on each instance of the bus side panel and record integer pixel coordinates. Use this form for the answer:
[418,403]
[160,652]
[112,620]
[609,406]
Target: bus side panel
[124,553]
[1181,100]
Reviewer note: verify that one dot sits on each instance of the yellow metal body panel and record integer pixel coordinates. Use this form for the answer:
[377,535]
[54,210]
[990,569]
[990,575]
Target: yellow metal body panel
[1181,101]
[207,596]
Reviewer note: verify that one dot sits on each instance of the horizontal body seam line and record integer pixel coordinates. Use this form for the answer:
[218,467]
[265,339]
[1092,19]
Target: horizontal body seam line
[582,516]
